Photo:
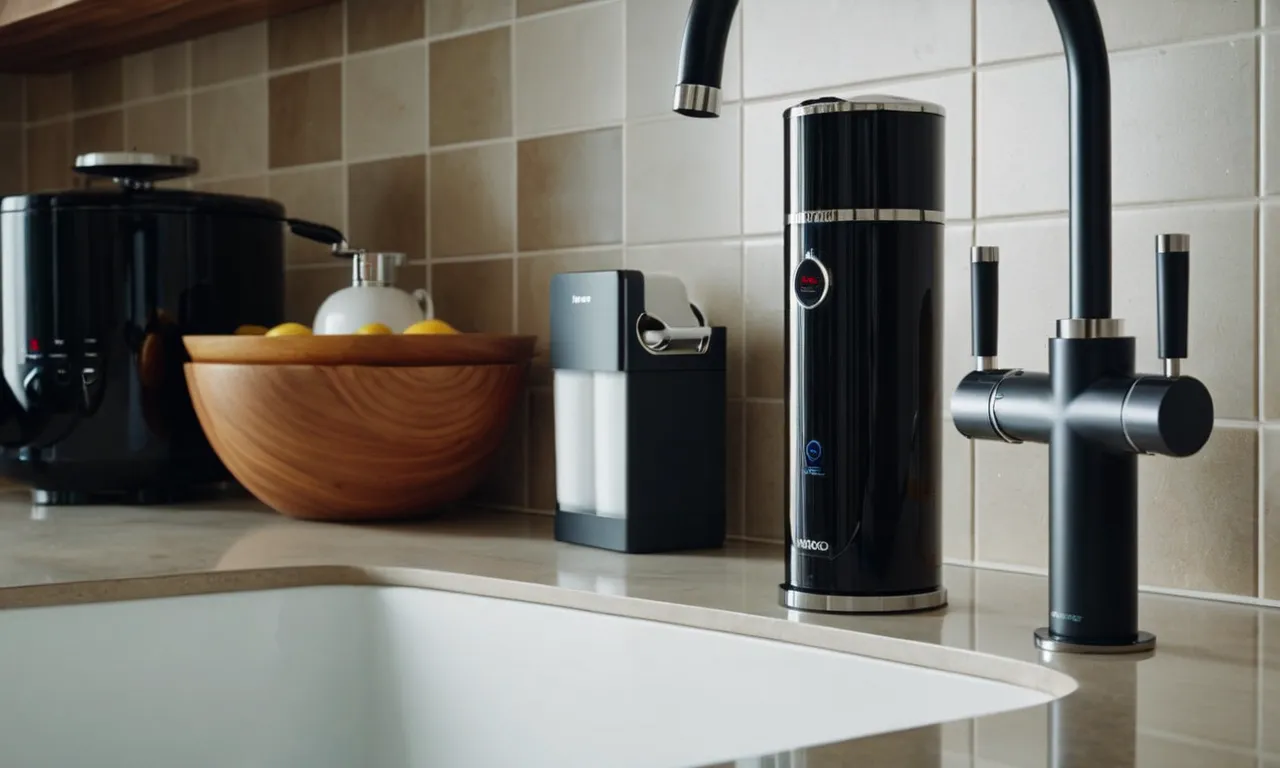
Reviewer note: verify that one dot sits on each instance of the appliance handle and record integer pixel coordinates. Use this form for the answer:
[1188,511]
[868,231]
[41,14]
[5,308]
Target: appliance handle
[320,233]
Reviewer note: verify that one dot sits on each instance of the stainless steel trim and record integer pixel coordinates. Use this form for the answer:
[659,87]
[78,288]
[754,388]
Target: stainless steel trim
[984,253]
[1173,367]
[808,601]
[1124,425]
[829,215]
[987,363]
[826,279]
[177,163]
[1090,328]
[691,97]
[375,269]
[658,338]
[994,395]
[867,104]
[1045,641]
[1173,243]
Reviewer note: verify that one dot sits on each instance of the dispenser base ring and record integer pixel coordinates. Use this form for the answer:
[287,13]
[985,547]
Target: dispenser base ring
[1045,641]
[810,601]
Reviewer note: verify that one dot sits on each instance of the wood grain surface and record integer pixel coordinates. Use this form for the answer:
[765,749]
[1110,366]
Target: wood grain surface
[355,443]
[54,35]
[395,350]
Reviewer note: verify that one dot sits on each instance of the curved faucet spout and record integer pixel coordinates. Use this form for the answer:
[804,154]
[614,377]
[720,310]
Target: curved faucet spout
[698,95]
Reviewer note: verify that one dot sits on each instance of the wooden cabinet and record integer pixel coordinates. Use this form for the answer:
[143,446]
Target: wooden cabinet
[54,35]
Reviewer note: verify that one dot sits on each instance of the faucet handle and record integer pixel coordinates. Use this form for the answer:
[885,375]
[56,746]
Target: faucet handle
[1173,278]
[984,295]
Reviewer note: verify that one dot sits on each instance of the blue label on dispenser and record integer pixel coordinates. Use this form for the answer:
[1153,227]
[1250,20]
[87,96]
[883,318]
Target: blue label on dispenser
[813,458]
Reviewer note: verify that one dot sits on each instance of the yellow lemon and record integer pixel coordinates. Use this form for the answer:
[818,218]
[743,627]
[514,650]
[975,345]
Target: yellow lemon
[251,330]
[290,329]
[374,329]
[430,327]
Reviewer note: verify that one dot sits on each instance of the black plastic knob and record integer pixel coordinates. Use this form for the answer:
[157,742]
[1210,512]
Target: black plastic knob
[984,295]
[1169,417]
[1173,281]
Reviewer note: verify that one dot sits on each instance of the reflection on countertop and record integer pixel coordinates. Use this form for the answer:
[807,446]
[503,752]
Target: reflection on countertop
[1209,696]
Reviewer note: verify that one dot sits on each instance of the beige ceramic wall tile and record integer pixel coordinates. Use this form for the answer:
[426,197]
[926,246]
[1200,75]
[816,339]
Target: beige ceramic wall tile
[378,23]
[956,491]
[312,34]
[1270,310]
[473,201]
[450,16]
[12,160]
[794,46]
[533,295]
[527,7]
[49,157]
[568,69]
[735,456]
[507,482]
[475,296]
[158,126]
[97,85]
[305,117]
[1010,507]
[13,99]
[763,295]
[1015,29]
[315,194]
[251,186]
[712,275]
[100,132]
[387,206]
[306,289]
[229,55]
[654,33]
[1270,736]
[229,129]
[1222,341]
[765,496]
[542,450]
[48,96]
[386,103]
[157,72]
[684,178]
[1271,113]
[471,87]
[1158,151]
[957,318]
[763,150]
[570,190]
[1271,530]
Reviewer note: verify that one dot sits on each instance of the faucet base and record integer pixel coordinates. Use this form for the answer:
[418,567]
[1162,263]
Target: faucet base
[1046,641]
[796,600]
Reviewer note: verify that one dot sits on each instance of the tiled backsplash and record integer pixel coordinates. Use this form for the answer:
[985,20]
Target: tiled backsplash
[500,141]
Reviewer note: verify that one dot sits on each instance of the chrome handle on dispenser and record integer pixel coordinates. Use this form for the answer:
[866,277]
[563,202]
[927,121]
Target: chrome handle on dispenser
[658,338]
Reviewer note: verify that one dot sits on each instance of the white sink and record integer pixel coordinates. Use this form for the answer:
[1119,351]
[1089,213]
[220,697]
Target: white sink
[393,677]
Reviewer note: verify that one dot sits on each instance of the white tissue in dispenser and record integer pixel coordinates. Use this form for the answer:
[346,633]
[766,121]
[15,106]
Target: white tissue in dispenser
[639,414]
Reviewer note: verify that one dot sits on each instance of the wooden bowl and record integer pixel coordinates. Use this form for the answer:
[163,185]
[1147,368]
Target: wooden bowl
[355,442]
[398,350]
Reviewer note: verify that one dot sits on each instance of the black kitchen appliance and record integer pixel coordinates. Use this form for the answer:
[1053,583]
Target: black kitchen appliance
[639,414]
[99,287]
[863,284]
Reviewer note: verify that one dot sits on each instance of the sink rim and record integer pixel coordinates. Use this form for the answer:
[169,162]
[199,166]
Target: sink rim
[962,661]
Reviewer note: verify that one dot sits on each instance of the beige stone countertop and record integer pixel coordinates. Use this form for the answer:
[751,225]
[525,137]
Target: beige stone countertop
[1209,696]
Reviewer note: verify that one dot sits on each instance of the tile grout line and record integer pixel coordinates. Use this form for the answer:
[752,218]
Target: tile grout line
[1260,272]
[742,250]
[973,240]
[526,437]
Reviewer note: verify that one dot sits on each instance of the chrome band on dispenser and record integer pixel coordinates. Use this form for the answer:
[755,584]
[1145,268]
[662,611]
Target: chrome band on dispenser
[865,214]
[691,97]
[903,105]
[1090,328]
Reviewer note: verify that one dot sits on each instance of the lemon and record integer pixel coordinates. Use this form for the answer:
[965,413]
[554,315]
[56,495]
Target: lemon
[373,329]
[429,327]
[251,330]
[290,329]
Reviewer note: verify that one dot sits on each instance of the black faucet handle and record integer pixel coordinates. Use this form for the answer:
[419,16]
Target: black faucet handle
[984,296]
[1173,287]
